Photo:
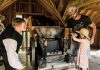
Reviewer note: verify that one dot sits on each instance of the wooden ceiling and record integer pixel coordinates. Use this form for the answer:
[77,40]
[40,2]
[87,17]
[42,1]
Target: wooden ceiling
[58,8]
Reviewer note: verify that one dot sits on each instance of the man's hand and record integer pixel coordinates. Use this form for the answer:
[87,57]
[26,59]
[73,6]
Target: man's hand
[93,26]
[92,40]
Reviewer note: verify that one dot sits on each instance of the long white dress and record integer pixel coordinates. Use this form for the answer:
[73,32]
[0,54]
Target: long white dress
[83,53]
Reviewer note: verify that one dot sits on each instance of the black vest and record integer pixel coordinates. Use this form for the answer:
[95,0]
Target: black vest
[10,33]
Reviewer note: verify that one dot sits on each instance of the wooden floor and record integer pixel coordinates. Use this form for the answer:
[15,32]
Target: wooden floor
[61,65]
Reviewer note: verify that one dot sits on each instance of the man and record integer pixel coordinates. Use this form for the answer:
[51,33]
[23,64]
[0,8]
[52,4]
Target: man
[77,21]
[11,40]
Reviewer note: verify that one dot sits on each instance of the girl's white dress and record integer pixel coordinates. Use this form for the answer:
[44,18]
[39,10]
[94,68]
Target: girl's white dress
[83,53]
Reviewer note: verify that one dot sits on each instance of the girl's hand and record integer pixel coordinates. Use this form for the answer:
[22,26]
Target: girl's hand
[74,34]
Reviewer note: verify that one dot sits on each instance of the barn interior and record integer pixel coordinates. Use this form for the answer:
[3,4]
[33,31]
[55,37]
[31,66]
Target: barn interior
[47,27]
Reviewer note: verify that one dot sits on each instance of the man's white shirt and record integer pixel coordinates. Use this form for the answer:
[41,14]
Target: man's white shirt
[13,59]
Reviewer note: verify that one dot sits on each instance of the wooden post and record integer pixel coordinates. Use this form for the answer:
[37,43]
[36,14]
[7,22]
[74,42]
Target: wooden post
[26,35]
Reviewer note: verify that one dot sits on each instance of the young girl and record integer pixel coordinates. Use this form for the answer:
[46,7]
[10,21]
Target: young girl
[84,48]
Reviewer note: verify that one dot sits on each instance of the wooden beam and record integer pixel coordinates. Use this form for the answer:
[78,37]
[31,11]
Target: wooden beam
[88,12]
[93,6]
[82,11]
[93,14]
[95,19]
[1,1]
[6,3]
[60,6]
[58,14]
[87,3]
